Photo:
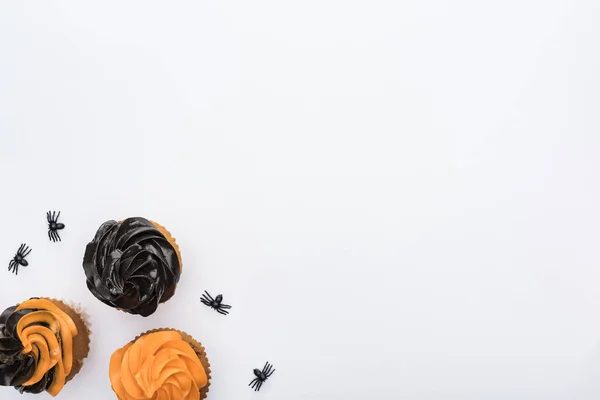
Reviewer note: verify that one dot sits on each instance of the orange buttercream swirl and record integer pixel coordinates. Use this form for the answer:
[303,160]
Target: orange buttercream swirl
[47,335]
[157,366]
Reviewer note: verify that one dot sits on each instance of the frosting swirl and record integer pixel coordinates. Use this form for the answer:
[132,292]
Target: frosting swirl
[132,266]
[36,347]
[159,365]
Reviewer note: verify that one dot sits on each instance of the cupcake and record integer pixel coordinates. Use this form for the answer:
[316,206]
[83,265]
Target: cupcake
[161,364]
[43,343]
[132,265]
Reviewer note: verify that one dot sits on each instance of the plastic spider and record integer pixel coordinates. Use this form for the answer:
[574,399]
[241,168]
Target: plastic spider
[215,303]
[53,225]
[261,376]
[19,259]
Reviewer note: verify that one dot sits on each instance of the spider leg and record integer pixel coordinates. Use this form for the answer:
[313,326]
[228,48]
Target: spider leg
[225,306]
[49,237]
[57,236]
[58,215]
[27,251]
[253,381]
[14,266]
[204,301]
[267,370]
[265,367]
[48,217]
[209,296]
[259,385]
[21,248]
[270,373]
[221,311]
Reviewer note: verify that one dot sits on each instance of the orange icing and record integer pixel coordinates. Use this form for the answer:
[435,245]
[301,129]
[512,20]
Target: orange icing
[157,366]
[51,346]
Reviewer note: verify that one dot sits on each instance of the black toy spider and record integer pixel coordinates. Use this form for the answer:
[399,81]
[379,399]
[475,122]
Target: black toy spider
[54,226]
[215,303]
[19,259]
[261,376]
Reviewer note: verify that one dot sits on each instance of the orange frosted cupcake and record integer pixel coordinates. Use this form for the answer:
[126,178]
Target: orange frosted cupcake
[43,343]
[132,265]
[163,364]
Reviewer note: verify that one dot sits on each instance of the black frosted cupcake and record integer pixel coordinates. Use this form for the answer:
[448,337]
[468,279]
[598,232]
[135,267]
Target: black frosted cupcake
[132,265]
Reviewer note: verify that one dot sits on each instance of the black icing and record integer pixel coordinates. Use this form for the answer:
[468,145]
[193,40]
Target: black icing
[17,368]
[130,265]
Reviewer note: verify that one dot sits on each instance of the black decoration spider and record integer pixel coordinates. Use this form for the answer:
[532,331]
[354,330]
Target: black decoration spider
[19,259]
[261,376]
[53,225]
[215,303]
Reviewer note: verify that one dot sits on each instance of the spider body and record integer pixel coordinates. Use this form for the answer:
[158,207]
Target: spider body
[19,259]
[54,226]
[261,376]
[215,303]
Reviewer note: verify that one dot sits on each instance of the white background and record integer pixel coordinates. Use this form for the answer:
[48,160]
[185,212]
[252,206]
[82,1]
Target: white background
[400,199]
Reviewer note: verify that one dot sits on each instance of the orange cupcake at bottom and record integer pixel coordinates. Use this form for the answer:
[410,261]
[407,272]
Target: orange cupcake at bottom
[163,364]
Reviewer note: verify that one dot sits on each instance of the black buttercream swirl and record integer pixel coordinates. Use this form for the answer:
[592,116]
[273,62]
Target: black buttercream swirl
[130,265]
[17,368]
